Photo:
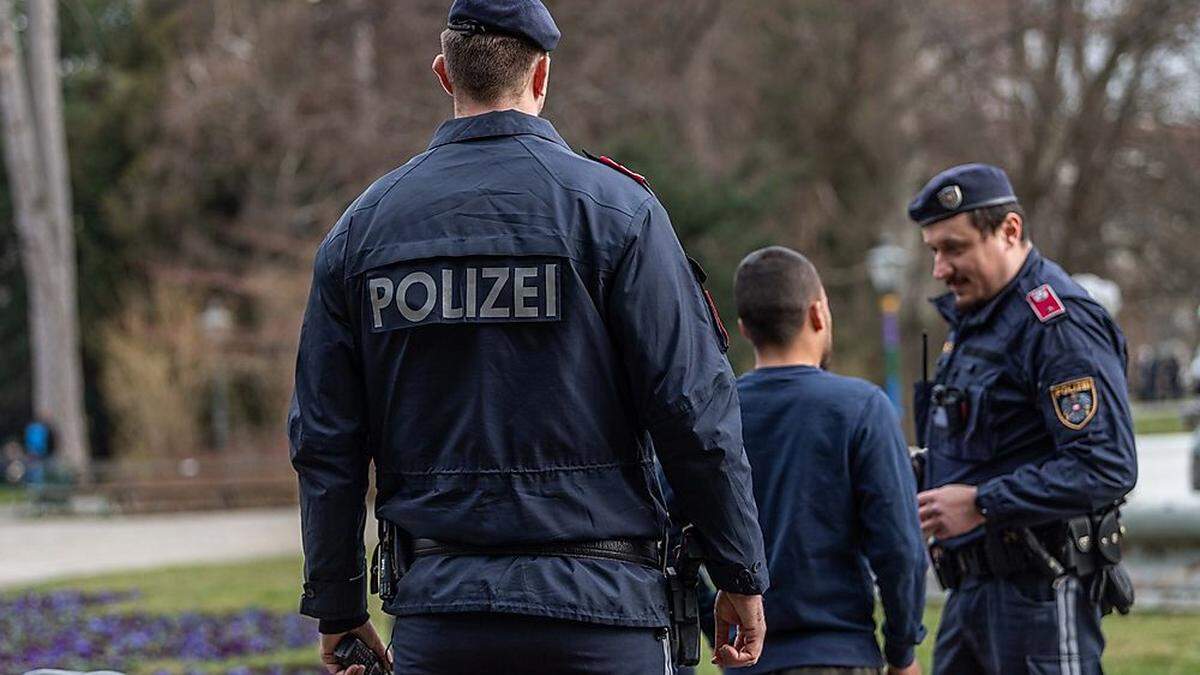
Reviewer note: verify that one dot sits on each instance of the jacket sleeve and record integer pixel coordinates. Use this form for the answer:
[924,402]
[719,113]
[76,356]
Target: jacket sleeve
[684,391]
[327,431]
[1076,367]
[886,497]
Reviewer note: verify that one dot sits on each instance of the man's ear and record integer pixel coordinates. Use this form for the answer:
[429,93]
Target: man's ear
[1012,228]
[816,317]
[541,76]
[439,67]
[742,329]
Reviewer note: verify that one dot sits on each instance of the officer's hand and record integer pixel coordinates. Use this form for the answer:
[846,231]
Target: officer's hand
[744,612]
[948,511]
[367,634]
[913,669]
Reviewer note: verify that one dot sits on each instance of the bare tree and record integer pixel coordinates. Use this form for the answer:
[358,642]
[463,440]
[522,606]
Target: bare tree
[1056,91]
[36,157]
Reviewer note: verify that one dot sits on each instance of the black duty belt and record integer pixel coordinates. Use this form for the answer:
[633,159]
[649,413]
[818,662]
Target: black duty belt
[968,561]
[997,554]
[638,551]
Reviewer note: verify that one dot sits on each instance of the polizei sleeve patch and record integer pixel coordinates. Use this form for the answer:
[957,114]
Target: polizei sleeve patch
[1045,303]
[1075,402]
[464,290]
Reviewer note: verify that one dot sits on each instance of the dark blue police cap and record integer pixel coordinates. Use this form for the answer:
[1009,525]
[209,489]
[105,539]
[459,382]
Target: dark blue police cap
[959,189]
[527,19]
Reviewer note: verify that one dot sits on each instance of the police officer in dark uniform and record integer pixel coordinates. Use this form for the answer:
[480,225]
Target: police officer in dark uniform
[1030,442]
[510,332]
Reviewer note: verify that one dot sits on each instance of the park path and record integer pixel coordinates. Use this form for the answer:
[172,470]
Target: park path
[38,549]
[1165,472]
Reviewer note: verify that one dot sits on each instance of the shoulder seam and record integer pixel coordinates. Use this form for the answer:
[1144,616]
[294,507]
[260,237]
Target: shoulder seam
[873,399]
[403,174]
[554,177]
[859,427]
[329,242]
[632,227]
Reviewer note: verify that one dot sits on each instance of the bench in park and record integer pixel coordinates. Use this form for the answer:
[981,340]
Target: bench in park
[162,485]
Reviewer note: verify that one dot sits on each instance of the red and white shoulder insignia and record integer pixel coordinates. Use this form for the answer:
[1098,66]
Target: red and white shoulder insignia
[604,159]
[1045,303]
[614,164]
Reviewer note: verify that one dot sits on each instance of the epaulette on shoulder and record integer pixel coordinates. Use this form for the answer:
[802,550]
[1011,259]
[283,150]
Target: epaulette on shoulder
[614,164]
[1045,303]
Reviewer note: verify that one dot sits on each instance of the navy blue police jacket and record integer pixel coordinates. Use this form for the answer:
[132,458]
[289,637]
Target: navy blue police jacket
[837,502]
[1045,432]
[509,332]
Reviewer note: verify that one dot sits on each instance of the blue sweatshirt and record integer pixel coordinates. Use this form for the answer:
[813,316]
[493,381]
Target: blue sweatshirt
[836,503]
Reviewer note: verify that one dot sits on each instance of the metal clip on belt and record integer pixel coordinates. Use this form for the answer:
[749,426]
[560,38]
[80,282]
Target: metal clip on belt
[639,552]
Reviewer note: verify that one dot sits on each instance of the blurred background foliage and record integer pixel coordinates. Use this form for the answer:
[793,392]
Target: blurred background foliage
[213,142]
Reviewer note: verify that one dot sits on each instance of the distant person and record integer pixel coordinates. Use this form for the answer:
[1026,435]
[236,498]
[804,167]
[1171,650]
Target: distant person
[1147,372]
[835,490]
[1030,441]
[1194,372]
[39,439]
[39,444]
[1172,387]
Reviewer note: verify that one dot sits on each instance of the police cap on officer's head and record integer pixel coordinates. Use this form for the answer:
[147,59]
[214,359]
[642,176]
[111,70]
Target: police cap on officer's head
[959,189]
[528,19]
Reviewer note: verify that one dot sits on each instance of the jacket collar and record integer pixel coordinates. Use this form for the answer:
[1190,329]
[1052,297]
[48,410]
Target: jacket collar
[959,320]
[494,124]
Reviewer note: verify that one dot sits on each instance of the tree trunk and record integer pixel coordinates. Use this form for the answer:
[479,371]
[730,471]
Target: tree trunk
[35,154]
[364,60]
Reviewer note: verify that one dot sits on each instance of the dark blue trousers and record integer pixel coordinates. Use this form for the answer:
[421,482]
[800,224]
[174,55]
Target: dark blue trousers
[514,644]
[1025,624]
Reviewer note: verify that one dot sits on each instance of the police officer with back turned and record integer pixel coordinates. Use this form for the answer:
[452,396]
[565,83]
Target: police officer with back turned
[1030,442]
[510,332]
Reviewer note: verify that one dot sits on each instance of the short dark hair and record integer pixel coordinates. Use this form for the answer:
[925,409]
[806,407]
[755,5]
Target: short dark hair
[773,289]
[486,67]
[988,219]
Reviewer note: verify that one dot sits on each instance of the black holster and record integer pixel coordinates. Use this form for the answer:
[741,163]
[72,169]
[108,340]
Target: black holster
[1093,552]
[1088,546]
[683,583]
[945,568]
[390,560]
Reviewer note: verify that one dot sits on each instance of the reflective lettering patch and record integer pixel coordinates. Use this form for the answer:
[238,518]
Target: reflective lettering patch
[464,290]
[1075,402]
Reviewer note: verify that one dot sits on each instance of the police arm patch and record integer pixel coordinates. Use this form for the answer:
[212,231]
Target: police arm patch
[1075,402]
[1045,303]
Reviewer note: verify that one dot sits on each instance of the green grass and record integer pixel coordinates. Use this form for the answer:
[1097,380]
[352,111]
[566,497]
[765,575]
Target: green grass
[11,494]
[1142,643]
[1160,417]
[1158,423]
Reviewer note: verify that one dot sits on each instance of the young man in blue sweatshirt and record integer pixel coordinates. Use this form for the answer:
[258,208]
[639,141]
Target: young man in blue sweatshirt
[837,501]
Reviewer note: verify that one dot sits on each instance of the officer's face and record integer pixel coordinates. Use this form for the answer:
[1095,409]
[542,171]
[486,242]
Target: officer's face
[971,265]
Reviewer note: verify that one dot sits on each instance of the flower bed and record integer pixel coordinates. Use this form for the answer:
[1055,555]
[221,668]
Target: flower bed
[80,630]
